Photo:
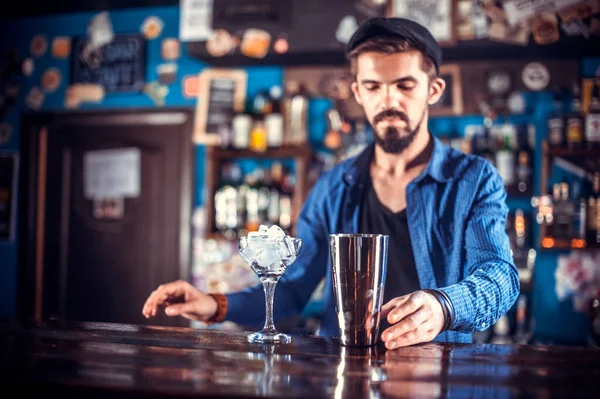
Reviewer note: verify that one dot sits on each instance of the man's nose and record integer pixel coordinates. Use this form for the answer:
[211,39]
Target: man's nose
[391,98]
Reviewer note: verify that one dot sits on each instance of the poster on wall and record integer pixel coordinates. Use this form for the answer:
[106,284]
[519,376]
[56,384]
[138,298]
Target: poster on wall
[8,193]
[195,20]
[435,15]
[521,10]
[119,66]
[112,173]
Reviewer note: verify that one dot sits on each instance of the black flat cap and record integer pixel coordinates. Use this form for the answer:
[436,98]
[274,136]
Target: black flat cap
[401,28]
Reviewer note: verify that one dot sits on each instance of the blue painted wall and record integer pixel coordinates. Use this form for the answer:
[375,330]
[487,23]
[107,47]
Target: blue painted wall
[554,320]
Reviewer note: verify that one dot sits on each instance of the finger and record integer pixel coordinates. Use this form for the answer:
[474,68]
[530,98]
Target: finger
[162,293]
[187,310]
[388,307]
[151,303]
[405,325]
[413,337]
[413,302]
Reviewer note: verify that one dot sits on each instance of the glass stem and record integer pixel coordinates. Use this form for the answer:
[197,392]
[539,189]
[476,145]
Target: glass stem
[269,287]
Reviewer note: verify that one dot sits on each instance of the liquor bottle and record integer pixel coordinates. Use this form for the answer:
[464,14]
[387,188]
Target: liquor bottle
[524,168]
[578,238]
[296,113]
[274,119]
[286,202]
[258,136]
[521,335]
[575,121]
[563,217]
[505,159]
[556,123]
[524,172]
[501,331]
[520,229]
[485,145]
[592,236]
[550,218]
[592,119]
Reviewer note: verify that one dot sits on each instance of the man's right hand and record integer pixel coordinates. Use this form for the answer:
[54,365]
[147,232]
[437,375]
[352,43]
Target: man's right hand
[180,298]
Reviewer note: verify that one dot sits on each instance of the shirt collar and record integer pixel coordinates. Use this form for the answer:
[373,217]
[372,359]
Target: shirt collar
[437,167]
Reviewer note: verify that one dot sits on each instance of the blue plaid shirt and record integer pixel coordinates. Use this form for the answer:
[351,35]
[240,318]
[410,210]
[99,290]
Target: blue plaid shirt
[456,215]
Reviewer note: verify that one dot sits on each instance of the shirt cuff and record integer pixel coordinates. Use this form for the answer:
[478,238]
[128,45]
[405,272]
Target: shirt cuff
[447,307]
[462,305]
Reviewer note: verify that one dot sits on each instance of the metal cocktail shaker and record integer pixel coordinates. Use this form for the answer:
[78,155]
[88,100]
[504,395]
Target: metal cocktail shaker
[359,264]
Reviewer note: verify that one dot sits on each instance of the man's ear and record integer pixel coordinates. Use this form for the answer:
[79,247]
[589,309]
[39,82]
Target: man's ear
[436,88]
[356,94]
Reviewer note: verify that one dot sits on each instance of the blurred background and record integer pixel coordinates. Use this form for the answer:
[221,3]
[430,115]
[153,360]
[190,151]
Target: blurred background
[139,139]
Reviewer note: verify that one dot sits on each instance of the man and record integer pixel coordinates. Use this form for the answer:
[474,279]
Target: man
[450,269]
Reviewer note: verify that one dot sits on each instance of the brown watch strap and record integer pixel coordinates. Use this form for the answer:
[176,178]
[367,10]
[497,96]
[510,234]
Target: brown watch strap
[221,309]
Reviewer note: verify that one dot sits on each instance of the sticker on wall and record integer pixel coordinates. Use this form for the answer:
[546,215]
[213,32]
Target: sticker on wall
[51,79]
[170,49]
[545,28]
[100,31]
[346,28]
[108,208]
[157,93]
[38,45]
[255,43]
[191,86]
[5,133]
[167,73]
[575,28]
[220,43]
[152,27]
[516,103]
[35,98]
[27,66]
[61,47]
[281,45]
[535,76]
[80,93]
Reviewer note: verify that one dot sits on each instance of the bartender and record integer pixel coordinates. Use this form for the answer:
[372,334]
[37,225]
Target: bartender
[450,269]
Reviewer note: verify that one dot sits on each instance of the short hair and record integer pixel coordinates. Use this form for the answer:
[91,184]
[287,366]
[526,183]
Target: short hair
[391,45]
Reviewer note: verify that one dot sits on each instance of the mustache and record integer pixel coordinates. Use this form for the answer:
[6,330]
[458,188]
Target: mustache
[390,113]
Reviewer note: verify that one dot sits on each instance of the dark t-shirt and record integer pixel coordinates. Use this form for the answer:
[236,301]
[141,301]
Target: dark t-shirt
[401,275]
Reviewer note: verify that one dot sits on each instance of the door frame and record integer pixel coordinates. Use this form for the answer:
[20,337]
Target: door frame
[32,185]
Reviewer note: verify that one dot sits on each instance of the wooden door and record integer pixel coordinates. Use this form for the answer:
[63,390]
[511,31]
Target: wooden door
[85,259]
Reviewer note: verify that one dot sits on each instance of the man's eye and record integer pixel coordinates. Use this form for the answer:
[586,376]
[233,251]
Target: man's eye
[405,87]
[371,88]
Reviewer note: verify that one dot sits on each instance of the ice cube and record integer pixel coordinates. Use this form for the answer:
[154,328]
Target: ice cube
[287,251]
[247,254]
[257,235]
[267,256]
[263,229]
[275,233]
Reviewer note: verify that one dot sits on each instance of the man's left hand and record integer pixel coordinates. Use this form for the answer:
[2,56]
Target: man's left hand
[416,318]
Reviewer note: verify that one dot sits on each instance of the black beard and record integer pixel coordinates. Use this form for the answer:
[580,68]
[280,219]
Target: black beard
[394,143]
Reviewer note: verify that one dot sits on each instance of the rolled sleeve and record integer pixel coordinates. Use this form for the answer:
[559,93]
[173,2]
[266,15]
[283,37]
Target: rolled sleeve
[492,284]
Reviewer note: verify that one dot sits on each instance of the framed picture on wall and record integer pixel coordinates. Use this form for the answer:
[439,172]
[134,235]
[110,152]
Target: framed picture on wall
[9,164]
[436,15]
[451,102]
[222,94]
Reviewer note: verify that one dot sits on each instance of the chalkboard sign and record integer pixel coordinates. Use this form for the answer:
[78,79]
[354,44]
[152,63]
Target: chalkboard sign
[119,66]
[222,94]
[8,192]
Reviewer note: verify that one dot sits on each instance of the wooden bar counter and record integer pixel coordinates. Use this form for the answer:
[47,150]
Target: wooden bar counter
[91,360]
